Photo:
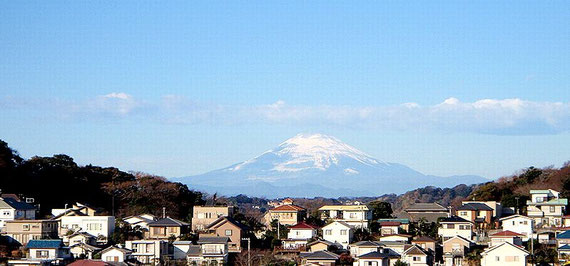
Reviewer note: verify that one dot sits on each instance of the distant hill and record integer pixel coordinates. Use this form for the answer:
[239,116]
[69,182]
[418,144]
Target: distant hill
[310,165]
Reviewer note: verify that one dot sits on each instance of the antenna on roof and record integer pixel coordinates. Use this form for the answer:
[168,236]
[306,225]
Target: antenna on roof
[163,212]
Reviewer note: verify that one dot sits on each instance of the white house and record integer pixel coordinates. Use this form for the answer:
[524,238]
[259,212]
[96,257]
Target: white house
[212,250]
[141,221]
[48,250]
[518,224]
[338,233]
[99,226]
[11,209]
[416,256]
[181,248]
[506,236]
[546,207]
[403,238]
[505,254]
[148,251]
[357,216]
[115,254]
[455,226]
[302,230]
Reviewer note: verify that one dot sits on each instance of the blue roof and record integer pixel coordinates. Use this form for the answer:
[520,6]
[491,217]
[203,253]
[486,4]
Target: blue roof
[565,247]
[565,235]
[44,243]
[18,205]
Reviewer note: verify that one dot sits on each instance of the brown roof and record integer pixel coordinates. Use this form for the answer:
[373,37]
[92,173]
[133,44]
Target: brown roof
[506,233]
[288,208]
[423,239]
[390,223]
[302,225]
[89,263]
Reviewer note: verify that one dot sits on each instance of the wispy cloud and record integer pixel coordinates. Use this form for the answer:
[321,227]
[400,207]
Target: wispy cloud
[489,116]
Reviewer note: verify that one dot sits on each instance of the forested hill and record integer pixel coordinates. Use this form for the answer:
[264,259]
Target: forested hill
[58,180]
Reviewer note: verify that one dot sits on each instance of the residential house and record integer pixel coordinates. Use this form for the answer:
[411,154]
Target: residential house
[404,223]
[429,211]
[114,254]
[48,251]
[372,253]
[77,209]
[302,231]
[148,251]
[318,245]
[99,226]
[202,216]
[357,216]
[390,228]
[505,254]
[563,238]
[210,250]
[478,213]
[141,220]
[339,233]
[323,257]
[455,226]
[166,228]
[455,249]
[564,254]
[11,209]
[546,208]
[228,227]
[416,256]
[22,231]
[426,243]
[506,236]
[181,248]
[397,246]
[80,237]
[498,210]
[363,247]
[287,214]
[518,224]
[83,250]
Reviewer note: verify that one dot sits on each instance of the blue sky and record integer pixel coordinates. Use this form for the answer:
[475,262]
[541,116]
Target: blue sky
[180,88]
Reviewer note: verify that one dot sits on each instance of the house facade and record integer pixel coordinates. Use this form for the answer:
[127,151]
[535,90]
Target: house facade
[431,212]
[148,251]
[99,226]
[202,216]
[48,250]
[287,214]
[22,231]
[166,228]
[518,224]
[230,228]
[546,208]
[455,226]
[11,209]
[357,216]
[209,251]
[505,254]
[479,213]
[115,254]
[339,233]
[455,249]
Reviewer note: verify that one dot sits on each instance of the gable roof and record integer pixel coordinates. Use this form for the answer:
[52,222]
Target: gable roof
[515,216]
[167,222]
[302,226]
[423,239]
[415,250]
[212,240]
[366,244]
[506,233]
[86,247]
[565,247]
[378,255]
[490,249]
[328,243]
[194,251]
[224,219]
[122,250]
[287,208]
[461,238]
[45,243]
[319,255]
[474,206]
[89,263]
[564,235]
[454,219]
[338,222]
[12,203]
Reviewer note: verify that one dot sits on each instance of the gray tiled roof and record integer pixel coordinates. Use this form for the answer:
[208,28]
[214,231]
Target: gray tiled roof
[213,240]
[168,222]
[474,206]
[320,255]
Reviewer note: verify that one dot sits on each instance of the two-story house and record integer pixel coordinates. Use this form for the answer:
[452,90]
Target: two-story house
[504,254]
[11,209]
[357,216]
[455,226]
[148,251]
[99,226]
[417,256]
[519,224]
[505,236]
[22,231]
[202,216]
[339,233]
[546,207]
[209,251]
[141,220]
[429,211]
[478,213]
[455,249]
[298,236]
[166,228]
[230,228]
[45,252]
[287,214]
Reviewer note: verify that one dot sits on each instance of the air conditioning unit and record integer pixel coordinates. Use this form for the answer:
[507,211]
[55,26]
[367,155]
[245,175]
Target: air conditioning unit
[29,200]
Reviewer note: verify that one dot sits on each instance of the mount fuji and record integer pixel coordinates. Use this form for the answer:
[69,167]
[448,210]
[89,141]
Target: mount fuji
[310,165]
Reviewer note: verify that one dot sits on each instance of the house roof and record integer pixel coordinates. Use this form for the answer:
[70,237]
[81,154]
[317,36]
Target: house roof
[377,255]
[454,219]
[402,220]
[168,222]
[506,233]
[224,219]
[541,191]
[89,263]
[415,250]
[460,237]
[320,255]
[553,202]
[426,207]
[400,235]
[81,233]
[123,250]
[394,223]
[287,208]
[338,222]
[45,243]
[486,251]
[565,247]
[10,196]
[12,203]
[474,206]
[328,243]
[212,239]
[302,226]
[564,235]
[344,208]
[366,244]
[423,239]
[514,216]
[86,247]
[194,250]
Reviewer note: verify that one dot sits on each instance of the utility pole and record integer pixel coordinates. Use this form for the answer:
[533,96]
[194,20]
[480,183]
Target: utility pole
[517,211]
[248,250]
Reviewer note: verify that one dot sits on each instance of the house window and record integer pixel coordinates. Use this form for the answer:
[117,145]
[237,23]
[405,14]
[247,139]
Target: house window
[525,222]
[6,213]
[352,215]
[450,226]
[228,232]
[343,232]
[328,232]
[26,227]
[497,258]
[172,229]
[463,213]
[94,226]
[42,254]
[416,258]
[552,209]
[511,258]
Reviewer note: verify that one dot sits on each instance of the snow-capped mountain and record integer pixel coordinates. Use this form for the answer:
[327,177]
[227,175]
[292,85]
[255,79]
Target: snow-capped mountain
[317,165]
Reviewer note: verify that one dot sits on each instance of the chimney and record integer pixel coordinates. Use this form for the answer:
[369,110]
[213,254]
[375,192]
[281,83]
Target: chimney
[163,212]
